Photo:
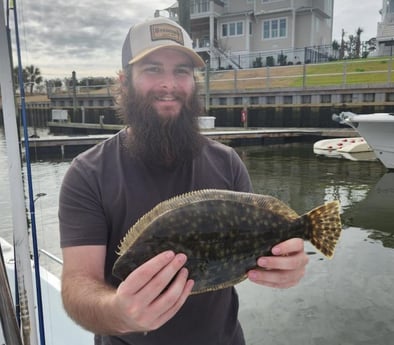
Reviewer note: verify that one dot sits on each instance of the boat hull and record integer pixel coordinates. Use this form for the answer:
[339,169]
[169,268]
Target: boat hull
[378,130]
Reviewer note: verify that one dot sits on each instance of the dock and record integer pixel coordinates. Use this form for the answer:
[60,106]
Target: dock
[68,146]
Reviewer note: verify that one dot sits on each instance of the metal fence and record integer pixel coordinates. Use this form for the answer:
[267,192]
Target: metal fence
[340,73]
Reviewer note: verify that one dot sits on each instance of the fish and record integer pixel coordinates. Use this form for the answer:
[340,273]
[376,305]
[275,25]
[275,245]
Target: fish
[223,233]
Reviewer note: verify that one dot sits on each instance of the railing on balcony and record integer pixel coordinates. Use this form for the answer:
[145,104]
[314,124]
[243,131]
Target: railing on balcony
[199,7]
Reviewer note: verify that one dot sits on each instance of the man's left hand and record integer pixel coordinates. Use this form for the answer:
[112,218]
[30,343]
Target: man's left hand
[285,268]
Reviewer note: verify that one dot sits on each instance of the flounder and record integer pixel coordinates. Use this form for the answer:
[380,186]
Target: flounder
[223,233]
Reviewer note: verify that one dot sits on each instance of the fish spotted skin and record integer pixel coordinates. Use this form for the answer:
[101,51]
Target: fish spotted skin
[223,233]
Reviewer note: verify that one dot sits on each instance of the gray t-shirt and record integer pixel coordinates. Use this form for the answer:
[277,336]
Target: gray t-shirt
[105,191]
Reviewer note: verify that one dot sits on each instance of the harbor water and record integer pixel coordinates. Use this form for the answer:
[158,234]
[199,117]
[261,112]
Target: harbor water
[343,301]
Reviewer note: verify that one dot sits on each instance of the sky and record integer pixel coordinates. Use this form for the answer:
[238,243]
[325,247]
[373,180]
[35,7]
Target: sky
[86,36]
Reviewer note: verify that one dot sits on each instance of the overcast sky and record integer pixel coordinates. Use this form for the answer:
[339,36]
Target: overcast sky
[86,36]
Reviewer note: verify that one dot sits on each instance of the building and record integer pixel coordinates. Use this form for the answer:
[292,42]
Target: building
[385,34]
[254,33]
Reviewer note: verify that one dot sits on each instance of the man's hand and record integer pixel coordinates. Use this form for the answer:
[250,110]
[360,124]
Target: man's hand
[150,296]
[285,268]
[153,293]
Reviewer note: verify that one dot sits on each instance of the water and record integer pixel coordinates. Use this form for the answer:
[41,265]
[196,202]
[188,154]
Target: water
[346,300]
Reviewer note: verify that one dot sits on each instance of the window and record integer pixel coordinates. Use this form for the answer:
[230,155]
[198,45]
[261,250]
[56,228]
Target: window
[282,28]
[199,6]
[390,6]
[266,29]
[275,28]
[287,99]
[224,30]
[233,29]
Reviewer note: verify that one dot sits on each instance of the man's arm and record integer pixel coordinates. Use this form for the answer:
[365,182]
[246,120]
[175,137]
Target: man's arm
[143,302]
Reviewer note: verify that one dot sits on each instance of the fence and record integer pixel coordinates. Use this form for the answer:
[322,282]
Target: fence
[377,71]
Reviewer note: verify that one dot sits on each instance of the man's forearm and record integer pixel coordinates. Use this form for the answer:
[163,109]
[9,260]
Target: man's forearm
[89,303]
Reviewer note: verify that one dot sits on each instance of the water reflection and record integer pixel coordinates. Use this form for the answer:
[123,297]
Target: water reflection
[375,211]
[294,174]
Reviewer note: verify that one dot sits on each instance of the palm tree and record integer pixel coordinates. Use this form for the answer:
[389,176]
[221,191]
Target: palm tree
[33,76]
[352,46]
[343,46]
[15,75]
[358,42]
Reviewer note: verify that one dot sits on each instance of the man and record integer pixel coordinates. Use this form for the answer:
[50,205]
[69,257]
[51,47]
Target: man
[158,155]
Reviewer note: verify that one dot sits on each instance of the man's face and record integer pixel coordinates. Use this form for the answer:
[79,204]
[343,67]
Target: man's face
[166,78]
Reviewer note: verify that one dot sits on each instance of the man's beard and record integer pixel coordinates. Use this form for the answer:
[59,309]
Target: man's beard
[162,141]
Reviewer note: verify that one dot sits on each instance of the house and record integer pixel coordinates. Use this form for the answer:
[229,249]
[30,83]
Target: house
[254,33]
[385,34]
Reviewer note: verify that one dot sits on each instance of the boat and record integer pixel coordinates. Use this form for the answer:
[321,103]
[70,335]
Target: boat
[378,131]
[36,293]
[351,145]
[59,328]
[355,148]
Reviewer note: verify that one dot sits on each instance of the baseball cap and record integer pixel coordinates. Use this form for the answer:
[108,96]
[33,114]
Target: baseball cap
[153,34]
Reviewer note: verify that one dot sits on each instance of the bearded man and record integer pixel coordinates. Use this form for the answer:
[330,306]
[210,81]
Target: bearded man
[160,154]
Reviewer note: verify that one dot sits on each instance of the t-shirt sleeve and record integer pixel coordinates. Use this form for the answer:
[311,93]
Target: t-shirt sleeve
[82,220]
[241,178]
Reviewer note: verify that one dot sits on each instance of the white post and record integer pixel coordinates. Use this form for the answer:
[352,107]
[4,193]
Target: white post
[19,218]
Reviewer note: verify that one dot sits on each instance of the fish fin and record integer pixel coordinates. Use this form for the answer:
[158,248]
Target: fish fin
[324,227]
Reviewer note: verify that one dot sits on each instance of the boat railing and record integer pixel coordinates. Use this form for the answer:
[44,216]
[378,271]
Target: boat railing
[51,256]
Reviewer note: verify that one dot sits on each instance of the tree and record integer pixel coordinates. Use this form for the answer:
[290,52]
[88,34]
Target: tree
[351,47]
[370,46]
[343,46]
[335,48]
[358,42]
[15,75]
[33,77]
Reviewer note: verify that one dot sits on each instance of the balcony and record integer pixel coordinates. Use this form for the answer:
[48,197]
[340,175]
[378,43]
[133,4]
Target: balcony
[199,7]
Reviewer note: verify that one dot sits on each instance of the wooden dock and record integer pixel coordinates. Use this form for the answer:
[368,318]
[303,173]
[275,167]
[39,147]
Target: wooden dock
[68,146]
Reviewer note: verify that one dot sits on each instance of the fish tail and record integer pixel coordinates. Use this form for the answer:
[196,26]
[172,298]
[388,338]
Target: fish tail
[324,227]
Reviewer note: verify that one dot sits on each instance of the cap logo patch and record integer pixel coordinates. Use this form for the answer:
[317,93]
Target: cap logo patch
[166,32]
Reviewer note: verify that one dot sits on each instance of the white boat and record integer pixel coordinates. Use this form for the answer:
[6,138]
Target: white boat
[350,145]
[356,149]
[59,328]
[378,131]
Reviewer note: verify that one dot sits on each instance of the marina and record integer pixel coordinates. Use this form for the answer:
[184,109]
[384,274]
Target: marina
[272,127]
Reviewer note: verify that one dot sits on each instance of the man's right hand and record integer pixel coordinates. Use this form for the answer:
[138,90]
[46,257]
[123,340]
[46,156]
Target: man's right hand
[153,293]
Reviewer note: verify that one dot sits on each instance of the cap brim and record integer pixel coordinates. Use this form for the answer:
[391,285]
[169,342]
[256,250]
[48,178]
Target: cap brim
[198,62]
